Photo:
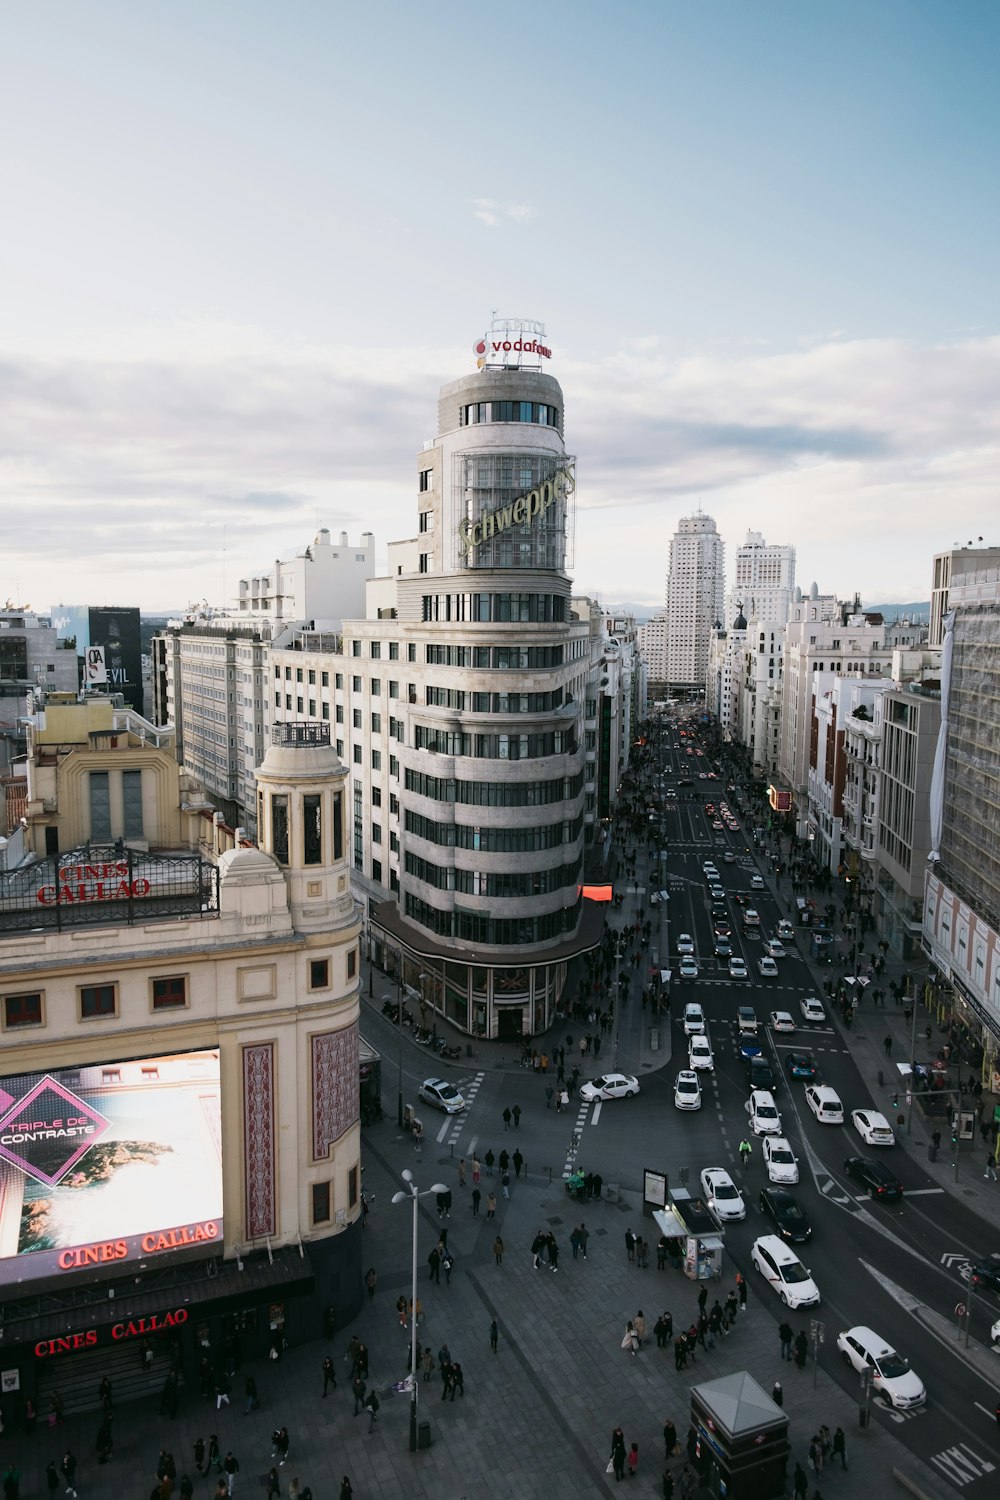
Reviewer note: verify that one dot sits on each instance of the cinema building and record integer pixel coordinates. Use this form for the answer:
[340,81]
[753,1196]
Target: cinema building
[461,705]
[179,1135]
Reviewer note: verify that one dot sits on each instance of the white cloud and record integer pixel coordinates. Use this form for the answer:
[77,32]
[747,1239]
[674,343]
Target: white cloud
[490,211]
[118,474]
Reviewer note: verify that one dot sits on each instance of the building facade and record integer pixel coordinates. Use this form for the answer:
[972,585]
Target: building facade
[192,1002]
[33,658]
[694,602]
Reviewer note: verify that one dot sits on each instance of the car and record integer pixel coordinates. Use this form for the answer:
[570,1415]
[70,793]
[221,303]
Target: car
[825,1104]
[751,917]
[760,1074]
[721,1194]
[441,1095]
[610,1086]
[774,949]
[687,968]
[875,1176]
[985,1274]
[779,1159]
[708,867]
[721,928]
[748,1044]
[784,1272]
[891,1375]
[785,931]
[729,856]
[789,1219]
[746,1018]
[685,943]
[694,1020]
[873,1127]
[768,968]
[781,1020]
[687,1090]
[700,1053]
[717,823]
[800,1065]
[756,882]
[812,1010]
[763,1113]
[738,968]
[723,948]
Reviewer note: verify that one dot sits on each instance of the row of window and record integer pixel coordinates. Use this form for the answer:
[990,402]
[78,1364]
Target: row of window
[494,746]
[496,658]
[495,793]
[166,992]
[524,840]
[529,609]
[498,932]
[310,676]
[478,412]
[502,884]
[493,703]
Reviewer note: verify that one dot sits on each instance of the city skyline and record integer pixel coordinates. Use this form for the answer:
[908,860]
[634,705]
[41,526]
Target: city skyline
[246,249]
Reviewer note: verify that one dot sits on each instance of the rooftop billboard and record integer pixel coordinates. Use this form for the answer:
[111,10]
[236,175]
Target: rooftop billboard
[109,1164]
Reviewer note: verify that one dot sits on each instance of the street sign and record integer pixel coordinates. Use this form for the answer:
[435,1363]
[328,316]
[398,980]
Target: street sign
[960,1309]
[817,1329]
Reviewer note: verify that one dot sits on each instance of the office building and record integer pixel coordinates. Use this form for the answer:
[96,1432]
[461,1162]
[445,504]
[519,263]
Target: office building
[694,602]
[34,659]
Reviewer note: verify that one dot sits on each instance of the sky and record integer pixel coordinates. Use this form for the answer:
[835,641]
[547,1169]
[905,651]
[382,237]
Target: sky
[243,245]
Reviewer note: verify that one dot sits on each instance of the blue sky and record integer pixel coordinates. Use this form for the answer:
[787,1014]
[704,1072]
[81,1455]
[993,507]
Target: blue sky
[245,243]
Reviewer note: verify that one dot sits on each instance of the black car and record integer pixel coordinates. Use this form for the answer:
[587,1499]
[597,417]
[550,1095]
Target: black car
[984,1274]
[800,1065]
[760,1074]
[873,1175]
[789,1220]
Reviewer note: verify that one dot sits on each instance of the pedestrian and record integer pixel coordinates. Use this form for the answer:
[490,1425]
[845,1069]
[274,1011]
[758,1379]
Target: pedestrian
[991,1170]
[358,1387]
[777,1394]
[630,1339]
[517,1116]
[741,1290]
[498,1249]
[457,1380]
[801,1349]
[552,1250]
[633,1460]
[491,1207]
[476,1171]
[222,1386]
[785,1334]
[549,1092]
[329,1375]
[461,1172]
[427,1364]
[199,1454]
[476,1196]
[668,1485]
[702,1299]
[840,1446]
[345,1489]
[630,1245]
[401,1311]
[370,1280]
[825,1444]
[887,1046]
[68,1467]
[488,1161]
[670,1443]
[505,1183]
[618,1453]
[494,1335]
[639,1323]
[800,1483]
[434,1261]
[372,1405]
[214,1453]
[687,1483]
[518,1161]
[506,1119]
[448,1260]
[272,1484]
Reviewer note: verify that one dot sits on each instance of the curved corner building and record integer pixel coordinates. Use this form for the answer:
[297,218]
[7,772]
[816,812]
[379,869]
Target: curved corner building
[492,772]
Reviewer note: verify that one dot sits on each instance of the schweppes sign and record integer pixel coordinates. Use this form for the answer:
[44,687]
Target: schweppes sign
[526,508]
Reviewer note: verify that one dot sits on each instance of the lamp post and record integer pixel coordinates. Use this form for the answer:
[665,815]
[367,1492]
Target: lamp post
[399,1039]
[413,1193]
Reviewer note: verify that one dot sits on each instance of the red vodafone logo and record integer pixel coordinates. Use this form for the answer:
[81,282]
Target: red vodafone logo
[479,350]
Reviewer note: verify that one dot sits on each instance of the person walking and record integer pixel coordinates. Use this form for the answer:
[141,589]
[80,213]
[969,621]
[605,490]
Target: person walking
[630,1246]
[517,1116]
[552,1250]
[498,1250]
[741,1290]
[506,1119]
[639,1324]
[476,1196]
[372,1406]
[346,1491]
[272,1484]
[68,1467]
[491,1207]
[786,1335]
[777,1394]
[801,1349]
[505,1183]
[630,1340]
[494,1335]
[669,1439]
[199,1454]
[329,1374]
[461,1172]
[476,1171]
[358,1387]
[518,1161]
[800,1483]
[887,1046]
[434,1261]
[840,1446]
[488,1161]
[618,1455]
[991,1169]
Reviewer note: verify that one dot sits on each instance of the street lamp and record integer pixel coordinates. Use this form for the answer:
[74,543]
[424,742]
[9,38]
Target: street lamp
[399,1039]
[414,1194]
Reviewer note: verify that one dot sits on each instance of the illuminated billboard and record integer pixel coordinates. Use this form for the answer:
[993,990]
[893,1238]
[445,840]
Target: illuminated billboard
[108,1164]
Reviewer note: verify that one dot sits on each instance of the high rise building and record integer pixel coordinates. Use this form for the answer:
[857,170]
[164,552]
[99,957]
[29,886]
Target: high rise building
[694,605]
[764,580]
[652,637]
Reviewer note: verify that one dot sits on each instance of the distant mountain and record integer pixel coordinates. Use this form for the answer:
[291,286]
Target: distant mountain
[919,611]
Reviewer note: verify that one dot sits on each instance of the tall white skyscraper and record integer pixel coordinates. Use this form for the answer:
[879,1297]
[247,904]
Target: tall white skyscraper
[764,582]
[695,588]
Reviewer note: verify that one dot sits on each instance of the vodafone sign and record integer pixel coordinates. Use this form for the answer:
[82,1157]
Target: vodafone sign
[511,342]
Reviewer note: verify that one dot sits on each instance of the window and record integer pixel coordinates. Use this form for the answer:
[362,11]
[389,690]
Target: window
[357,755]
[376,650]
[132,803]
[355,648]
[356,717]
[376,686]
[376,723]
[422,525]
[340,713]
[355,684]
[352,1187]
[100,807]
[324,678]
[279,828]
[376,833]
[319,974]
[425,480]
[312,678]
[423,565]
[377,870]
[393,689]
[321,1202]
[352,963]
[376,760]
[376,796]
[338,681]
[394,651]
[312,829]
[170,992]
[22,1010]
[411,651]
[98,1000]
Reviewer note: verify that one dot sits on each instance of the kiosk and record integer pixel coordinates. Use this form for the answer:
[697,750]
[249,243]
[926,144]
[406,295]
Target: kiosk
[687,1222]
[739,1438]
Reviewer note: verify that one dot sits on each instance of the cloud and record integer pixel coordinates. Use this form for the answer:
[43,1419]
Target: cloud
[122,476]
[489,211]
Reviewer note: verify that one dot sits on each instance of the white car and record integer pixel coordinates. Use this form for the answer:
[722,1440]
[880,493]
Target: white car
[708,865]
[774,949]
[687,1090]
[685,943]
[694,1020]
[688,967]
[738,969]
[611,1086]
[784,1272]
[751,918]
[746,1017]
[441,1095]
[729,856]
[825,1104]
[700,1053]
[873,1128]
[756,882]
[812,1010]
[768,968]
[785,931]
[763,1112]
[721,1194]
[779,1160]
[891,1375]
[781,1020]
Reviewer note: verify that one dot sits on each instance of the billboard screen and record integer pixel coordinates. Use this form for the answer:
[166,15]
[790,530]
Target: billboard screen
[108,1164]
[118,631]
